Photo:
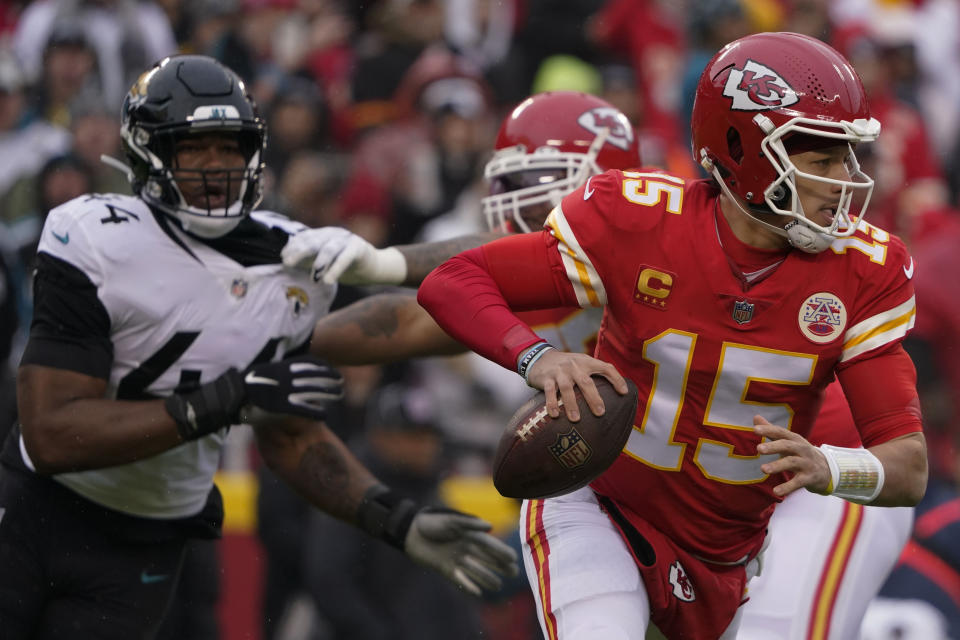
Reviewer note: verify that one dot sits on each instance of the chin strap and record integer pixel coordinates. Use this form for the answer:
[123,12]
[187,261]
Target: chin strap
[799,235]
[807,239]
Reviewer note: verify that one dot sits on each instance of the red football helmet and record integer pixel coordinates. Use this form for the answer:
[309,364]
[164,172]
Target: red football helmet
[547,147]
[756,95]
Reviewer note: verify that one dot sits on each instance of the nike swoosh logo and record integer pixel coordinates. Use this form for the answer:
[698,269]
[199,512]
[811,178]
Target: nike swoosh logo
[192,416]
[252,379]
[65,238]
[152,578]
[587,191]
[908,271]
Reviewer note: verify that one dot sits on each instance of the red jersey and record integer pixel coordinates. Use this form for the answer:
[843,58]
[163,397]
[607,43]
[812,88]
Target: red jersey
[575,329]
[834,424]
[706,351]
[706,355]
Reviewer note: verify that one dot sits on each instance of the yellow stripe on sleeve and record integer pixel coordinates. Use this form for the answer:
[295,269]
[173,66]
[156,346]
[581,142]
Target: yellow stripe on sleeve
[580,271]
[880,329]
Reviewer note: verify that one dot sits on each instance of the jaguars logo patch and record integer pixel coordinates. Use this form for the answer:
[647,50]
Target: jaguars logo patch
[298,299]
[139,88]
[822,317]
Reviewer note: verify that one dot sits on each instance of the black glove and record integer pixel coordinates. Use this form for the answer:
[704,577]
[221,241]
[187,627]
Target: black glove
[300,386]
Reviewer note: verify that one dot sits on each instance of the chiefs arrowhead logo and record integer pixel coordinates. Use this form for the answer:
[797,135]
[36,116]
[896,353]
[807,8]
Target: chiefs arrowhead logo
[756,88]
[682,585]
[621,132]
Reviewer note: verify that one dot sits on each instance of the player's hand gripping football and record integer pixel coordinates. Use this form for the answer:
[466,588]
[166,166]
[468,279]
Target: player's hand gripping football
[558,372]
[805,463]
[458,546]
[301,386]
[333,254]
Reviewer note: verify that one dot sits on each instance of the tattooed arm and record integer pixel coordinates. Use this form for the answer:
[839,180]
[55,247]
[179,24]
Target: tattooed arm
[316,464]
[383,328]
[334,254]
[424,257]
[311,459]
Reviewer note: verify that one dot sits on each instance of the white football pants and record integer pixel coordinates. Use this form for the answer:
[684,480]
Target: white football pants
[589,582]
[825,561]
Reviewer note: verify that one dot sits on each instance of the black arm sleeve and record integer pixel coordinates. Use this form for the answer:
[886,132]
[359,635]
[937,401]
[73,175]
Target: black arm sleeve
[71,327]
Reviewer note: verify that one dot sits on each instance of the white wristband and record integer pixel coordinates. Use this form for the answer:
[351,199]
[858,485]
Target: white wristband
[390,267]
[855,474]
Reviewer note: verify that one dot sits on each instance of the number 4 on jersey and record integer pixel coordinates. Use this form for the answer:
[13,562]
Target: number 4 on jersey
[133,386]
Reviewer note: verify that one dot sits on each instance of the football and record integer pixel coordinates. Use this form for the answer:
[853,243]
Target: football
[540,456]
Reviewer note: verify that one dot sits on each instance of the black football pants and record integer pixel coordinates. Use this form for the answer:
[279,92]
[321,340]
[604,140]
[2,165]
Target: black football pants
[66,573]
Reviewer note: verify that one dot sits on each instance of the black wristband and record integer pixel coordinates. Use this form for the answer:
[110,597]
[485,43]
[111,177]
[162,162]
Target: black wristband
[210,407]
[385,514]
[531,356]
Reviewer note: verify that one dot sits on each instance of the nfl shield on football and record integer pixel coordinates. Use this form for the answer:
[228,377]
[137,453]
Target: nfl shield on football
[540,456]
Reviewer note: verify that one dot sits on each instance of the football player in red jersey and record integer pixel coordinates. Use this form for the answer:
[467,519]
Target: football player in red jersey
[732,303]
[827,556]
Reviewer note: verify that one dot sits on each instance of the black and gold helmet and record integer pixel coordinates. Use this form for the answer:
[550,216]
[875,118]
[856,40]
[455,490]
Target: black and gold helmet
[188,95]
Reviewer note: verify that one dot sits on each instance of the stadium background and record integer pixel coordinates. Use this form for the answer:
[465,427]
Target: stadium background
[381,115]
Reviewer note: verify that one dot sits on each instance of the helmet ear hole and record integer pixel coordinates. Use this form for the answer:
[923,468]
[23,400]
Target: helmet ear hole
[779,195]
[734,145]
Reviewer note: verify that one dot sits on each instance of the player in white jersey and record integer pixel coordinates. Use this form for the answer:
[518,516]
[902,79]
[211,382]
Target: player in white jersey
[161,320]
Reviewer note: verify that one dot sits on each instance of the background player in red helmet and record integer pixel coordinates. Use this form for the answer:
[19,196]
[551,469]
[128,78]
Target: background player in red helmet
[731,333]
[549,145]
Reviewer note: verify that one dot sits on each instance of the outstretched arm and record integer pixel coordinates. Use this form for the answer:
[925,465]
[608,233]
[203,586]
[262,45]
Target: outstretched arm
[383,328]
[309,457]
[424,257]
[334,254]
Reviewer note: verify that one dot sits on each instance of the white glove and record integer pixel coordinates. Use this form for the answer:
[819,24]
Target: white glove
[458,546]
[333,254]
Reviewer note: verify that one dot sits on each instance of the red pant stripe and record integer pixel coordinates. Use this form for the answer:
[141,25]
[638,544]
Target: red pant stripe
[540,550]
[825,597]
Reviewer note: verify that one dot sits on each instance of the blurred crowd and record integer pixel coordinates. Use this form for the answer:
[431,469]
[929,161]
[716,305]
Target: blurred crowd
[381,115]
